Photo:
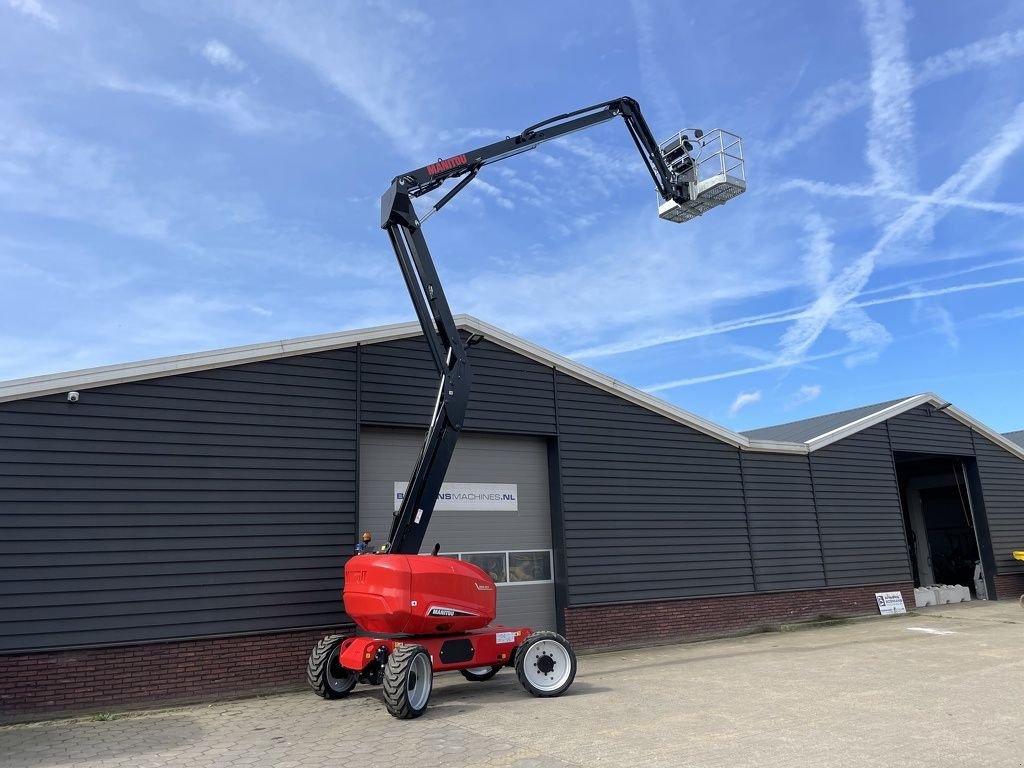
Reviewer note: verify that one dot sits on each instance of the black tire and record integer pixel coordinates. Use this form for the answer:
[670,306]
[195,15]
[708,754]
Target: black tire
[324,673]
[475,674]
[408,681]
[546,664]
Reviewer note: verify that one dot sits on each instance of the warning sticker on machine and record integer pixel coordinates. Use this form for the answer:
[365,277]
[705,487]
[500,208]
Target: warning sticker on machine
[505,637]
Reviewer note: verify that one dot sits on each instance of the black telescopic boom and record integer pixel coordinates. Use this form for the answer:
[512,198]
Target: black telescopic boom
[449,353]
[404,229]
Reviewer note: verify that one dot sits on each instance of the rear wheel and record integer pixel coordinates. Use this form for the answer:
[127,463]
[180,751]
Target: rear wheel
[479,674]
[546,664]
[324,673]
[408,681]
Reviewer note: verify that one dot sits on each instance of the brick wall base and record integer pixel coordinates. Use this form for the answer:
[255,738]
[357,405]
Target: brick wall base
[632,624]
[50,684]
[1009,586]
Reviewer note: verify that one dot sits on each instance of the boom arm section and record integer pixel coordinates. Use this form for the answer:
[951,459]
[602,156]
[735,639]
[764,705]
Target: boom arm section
[672,171]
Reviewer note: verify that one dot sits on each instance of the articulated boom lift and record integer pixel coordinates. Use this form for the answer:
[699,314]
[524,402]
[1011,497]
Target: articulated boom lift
[434,612]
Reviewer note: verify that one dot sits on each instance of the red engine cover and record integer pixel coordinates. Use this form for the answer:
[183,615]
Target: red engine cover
[417,594]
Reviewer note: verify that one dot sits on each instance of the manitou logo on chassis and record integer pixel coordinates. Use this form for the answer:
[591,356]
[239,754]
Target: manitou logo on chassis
[447,612]
[446,165]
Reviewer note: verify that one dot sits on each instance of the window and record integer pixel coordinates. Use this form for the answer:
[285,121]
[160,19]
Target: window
[529,566]
[510,567]
[492,563]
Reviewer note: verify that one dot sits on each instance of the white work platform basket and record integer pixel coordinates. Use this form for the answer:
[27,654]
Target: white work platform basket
[712,163]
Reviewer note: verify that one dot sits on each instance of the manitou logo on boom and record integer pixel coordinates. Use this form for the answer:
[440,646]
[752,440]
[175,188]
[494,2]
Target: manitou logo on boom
[446,165]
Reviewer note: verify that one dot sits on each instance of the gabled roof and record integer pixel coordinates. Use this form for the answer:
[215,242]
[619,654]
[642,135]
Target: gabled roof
[833,427]
[1016,437]
[808,429]
[796,437]
[37,386]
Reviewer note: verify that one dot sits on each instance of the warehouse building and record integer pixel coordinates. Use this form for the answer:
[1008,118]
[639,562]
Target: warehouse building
[176,528]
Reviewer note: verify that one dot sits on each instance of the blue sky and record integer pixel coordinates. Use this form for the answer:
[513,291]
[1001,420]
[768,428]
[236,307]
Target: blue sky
[178,177]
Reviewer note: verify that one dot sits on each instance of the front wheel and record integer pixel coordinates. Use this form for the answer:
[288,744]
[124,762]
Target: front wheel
[324,673]
[546,664]
[408,681]
[479,674]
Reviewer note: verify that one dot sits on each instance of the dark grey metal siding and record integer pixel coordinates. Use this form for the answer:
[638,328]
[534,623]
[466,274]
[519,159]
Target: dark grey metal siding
[1002,477]
[510,393]
[211,503]
[208,503]
[784,534]
[224,501]
[652,509]
[928,431]
[398,384]
[862,536]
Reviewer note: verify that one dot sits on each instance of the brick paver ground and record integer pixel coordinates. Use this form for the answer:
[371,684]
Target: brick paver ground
[943,688]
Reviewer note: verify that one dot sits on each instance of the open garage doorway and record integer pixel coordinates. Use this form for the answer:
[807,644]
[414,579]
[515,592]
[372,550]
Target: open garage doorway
[943,513]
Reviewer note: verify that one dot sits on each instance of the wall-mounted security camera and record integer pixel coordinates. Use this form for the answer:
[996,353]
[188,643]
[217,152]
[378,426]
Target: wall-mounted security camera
[73,397]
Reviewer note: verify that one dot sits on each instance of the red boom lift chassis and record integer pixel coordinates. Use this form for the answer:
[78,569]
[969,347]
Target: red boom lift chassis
[423,614]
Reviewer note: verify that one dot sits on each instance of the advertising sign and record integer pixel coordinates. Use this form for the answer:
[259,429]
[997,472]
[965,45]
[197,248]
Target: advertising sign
[470,497]
[890,603]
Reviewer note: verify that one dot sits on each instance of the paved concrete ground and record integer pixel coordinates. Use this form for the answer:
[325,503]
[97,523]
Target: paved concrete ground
[873,693]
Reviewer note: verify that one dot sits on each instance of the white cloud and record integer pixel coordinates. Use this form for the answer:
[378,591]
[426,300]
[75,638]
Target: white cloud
[817,253]
[866,336]
[806,394]
[666,385]
[58,176]
[743,399]
[918,220]
[988,52]
[789,315]
[496,194]
[231,104]
[890,127]
[853,191]
[924,294]
[698,332]
[659,88]
[220,55]
[136,323]
[182,320]
[651,274]
[841,98]
[1013,313]
[35,10]
[379,61]
[890,124]
[944,275]
[938,319]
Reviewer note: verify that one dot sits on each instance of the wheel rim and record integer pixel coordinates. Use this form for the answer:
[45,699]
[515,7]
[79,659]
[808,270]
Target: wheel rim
[547,665]
[338,678]
[418,683]
[478,670]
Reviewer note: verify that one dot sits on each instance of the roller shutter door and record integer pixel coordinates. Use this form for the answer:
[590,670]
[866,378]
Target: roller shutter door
[514,545]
